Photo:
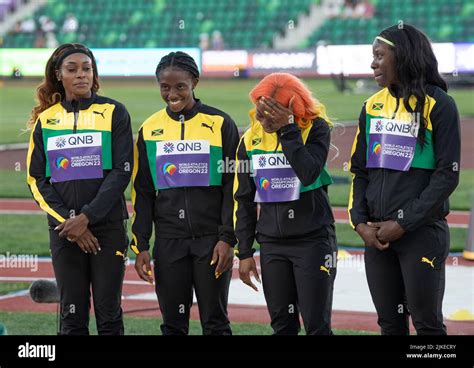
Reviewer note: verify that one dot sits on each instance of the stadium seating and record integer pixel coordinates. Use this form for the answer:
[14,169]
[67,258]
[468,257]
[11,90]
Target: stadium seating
[443,21]
[169,23]
[243,23]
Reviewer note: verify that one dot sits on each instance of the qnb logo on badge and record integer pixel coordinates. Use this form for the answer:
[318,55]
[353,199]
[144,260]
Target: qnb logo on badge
[182,163]
[75,156]
[60,142]
[169,168]
[392,143]
[168,147]
[275,179]
[378,126]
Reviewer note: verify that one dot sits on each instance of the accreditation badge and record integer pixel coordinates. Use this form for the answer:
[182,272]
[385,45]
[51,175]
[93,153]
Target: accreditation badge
[75,157]
[391,144]
[275,179]
[182,163]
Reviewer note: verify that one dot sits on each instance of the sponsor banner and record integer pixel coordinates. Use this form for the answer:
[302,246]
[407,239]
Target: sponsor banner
[256,63]
[224,61]
[138,62]
[282,61]
[356,59]
[323,60]
[464,57]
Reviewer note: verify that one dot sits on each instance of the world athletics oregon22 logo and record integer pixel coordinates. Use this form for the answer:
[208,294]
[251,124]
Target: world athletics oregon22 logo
[62,163]
[169,168]
[376,148]
[264,183]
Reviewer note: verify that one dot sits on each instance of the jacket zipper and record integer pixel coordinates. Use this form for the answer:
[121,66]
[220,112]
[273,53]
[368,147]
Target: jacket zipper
[278,143]
[76,115]
[75,109]
[276,203]
[381,197]
[186,208]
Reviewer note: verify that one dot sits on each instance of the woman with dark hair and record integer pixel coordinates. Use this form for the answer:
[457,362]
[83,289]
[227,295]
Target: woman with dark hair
[79,165]
[180,185]
[405,164]
[287,143]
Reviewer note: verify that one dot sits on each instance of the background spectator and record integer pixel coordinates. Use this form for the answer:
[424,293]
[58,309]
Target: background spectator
[217,41]
[71,24]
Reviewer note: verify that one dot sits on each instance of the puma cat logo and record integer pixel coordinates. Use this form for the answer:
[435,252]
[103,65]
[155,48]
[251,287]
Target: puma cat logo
[211,127]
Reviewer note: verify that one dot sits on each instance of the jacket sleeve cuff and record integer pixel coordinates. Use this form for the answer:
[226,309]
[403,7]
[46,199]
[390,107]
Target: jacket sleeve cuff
[358,221]
[137,249]
[287,129]
[405,225]
[247,253]
[86,210]
[226,234]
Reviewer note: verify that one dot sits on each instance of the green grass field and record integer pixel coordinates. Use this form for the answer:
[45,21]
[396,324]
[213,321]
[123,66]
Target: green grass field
[142,98]
[21,323]
[13,185]
[11,287]
[36,240]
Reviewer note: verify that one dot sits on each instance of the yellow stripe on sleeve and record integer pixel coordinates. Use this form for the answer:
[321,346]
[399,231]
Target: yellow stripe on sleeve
[33,186]
[351,192]
[134,194]
[236,185]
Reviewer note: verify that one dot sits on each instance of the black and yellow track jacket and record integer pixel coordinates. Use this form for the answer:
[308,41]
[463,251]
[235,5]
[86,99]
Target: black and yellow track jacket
[418,196]
[307,151]
[183,212]
[100,199]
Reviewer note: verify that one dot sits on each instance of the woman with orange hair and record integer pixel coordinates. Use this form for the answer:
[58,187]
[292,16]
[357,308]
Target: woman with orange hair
[287,146]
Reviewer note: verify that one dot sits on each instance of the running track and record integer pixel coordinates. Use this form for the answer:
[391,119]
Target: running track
[237,313]
[17,302]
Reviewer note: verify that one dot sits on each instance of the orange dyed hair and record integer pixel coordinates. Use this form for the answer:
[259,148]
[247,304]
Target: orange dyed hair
[282,87]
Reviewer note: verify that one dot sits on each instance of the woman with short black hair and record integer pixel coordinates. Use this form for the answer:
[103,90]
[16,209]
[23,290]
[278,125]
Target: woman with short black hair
[179,185]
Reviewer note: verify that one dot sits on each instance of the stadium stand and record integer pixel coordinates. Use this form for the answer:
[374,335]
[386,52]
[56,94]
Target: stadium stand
[243,23]
[443,20]
[167,23]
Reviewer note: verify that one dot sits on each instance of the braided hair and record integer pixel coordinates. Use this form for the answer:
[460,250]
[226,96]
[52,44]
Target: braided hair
[178,60]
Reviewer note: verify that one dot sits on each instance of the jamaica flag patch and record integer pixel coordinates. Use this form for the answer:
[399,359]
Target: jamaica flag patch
[52,121]
[377,106]
[256,141]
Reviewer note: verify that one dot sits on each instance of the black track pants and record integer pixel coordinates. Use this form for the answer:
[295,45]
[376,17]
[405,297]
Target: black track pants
[182,265]
[408,279]
[77,272]
[299,277]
